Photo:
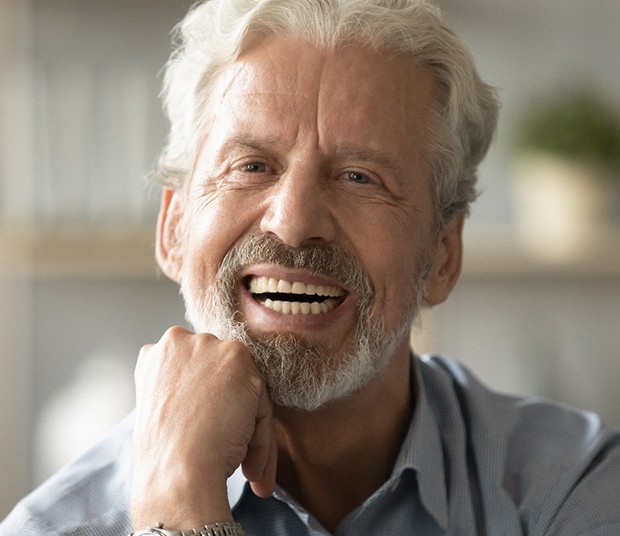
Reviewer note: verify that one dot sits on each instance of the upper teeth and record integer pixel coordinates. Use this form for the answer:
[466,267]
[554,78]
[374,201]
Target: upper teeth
[263,285]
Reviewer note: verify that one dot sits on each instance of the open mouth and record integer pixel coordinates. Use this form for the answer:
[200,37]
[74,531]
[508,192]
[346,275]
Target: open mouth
[294,297]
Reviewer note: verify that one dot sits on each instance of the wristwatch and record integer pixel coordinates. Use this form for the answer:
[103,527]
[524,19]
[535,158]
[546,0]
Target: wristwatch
[215,529]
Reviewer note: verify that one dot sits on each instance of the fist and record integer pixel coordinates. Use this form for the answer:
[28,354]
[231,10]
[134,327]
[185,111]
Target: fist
[202,410]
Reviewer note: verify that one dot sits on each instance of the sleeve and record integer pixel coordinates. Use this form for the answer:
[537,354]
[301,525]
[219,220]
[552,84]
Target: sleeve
[88,497]
[592,508]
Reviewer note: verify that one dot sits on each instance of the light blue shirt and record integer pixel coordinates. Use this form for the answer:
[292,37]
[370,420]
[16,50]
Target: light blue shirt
[474,463]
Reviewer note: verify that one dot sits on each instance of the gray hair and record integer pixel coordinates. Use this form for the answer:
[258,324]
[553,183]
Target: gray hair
[215,32]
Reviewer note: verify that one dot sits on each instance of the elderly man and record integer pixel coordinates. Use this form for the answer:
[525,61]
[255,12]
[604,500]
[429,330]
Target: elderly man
[321,161]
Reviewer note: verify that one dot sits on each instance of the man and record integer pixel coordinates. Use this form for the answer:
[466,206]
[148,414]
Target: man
[321,162]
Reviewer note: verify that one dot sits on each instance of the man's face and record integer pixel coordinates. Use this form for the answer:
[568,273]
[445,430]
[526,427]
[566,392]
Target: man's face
[320,155]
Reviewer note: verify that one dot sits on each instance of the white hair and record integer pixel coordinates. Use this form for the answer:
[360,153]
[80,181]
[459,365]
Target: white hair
[215,33]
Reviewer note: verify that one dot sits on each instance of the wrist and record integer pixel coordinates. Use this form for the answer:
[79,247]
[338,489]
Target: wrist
[178,501]
[228,528]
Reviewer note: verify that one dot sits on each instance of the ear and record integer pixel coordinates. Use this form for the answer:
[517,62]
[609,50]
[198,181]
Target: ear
[168,241]
[448,261]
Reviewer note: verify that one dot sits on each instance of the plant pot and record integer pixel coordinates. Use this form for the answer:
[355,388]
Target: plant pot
[563,207]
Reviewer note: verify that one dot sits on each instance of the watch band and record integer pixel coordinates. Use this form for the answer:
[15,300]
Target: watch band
[216,529]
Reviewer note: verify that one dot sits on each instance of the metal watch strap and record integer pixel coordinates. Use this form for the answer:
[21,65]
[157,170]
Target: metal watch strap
[215,529]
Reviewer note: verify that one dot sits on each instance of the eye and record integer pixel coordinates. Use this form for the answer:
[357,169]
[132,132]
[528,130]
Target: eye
[254,167]
[357,177]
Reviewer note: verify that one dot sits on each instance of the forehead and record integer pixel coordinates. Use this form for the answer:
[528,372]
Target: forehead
[284,86]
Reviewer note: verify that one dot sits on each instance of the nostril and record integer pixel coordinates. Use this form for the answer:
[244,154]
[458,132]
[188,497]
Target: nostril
[298,212]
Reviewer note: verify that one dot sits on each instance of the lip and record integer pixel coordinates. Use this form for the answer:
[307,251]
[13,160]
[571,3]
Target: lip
[291,274]
[262,319]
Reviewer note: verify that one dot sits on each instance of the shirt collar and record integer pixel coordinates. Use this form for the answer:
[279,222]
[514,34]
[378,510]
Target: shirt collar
[421,451]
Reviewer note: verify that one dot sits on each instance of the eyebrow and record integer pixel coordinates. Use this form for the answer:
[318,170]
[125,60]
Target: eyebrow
[364,154]
[369,155]
[251,143]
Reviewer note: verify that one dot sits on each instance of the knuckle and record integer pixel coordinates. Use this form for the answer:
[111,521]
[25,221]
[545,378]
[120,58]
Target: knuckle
[206,338]
[235,347]
[235,354]
[173,333]
[144,351]
[143,356]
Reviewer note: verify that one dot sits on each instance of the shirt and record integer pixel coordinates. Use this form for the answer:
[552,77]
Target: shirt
[474,462]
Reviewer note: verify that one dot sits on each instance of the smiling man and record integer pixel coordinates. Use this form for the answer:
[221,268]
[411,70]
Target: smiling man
[320,165]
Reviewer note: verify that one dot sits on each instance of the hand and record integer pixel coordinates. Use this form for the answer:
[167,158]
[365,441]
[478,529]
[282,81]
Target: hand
[202,410]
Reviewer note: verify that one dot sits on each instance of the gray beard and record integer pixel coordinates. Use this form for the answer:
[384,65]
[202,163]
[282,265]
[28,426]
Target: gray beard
[299,374]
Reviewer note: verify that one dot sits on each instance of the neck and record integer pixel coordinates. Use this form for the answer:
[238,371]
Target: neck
[333,459]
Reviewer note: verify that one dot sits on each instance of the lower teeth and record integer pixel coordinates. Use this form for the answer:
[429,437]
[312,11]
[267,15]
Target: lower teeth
[299,308]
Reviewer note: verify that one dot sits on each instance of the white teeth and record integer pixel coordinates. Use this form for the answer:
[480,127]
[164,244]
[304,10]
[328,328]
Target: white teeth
[270,285]
[284,287]
[298,288]
[299,308]
[262,285]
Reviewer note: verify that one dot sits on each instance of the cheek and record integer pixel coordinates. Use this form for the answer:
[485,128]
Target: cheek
[393,255]
[394,275]
[213,228]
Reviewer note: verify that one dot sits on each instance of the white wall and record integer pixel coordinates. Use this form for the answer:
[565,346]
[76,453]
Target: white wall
[522,332]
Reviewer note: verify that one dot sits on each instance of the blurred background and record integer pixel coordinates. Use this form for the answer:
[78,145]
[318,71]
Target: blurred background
[536,312]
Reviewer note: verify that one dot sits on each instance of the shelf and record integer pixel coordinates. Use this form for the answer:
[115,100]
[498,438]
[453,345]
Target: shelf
[129,252]
[79,253]
[490,254]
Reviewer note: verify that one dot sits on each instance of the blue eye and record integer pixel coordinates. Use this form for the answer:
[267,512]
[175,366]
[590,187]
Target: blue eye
[255,167]
[355,176]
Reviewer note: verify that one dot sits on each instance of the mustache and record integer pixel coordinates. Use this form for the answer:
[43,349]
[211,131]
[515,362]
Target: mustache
[326,259]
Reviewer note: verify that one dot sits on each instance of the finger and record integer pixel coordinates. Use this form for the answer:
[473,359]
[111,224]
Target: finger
[262,441]
[142,356]
[265,486]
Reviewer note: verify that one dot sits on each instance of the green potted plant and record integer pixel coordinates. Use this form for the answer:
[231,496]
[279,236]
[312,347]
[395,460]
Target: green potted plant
[567,173]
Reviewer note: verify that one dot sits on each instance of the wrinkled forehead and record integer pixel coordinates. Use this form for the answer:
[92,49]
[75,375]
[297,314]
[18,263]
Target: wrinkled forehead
[352,89]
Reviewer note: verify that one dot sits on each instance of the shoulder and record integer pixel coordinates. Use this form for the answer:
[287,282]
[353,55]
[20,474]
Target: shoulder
[89,496]
[558,466]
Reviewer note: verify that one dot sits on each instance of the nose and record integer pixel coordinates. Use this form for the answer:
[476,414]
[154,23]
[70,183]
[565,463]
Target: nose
[299,209]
